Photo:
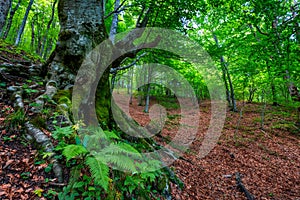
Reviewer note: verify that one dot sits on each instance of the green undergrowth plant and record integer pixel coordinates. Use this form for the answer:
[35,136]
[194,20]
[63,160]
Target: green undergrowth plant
[105,166]
[16,119]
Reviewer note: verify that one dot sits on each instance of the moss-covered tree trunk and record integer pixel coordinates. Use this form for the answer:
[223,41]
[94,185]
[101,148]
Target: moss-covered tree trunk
[82,29]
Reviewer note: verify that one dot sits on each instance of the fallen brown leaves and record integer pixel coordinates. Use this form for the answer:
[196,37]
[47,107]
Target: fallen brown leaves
[268,159]
[20,175]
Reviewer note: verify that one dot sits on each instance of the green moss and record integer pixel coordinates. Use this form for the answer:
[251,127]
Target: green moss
[103,112]
[39,122]
[103,102]
[63,96]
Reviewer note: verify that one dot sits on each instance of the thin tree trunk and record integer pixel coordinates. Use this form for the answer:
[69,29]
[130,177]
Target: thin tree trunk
[232,95]
[48,28]
[20,32]
[229,89]
[48,49]
[131,84]
[146,110]
[272,85]
[114,24]
[10,19]
[32,32]
[4,8]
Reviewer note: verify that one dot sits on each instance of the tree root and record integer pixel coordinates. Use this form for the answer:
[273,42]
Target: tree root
[40,138]
[242,187]
[46,143]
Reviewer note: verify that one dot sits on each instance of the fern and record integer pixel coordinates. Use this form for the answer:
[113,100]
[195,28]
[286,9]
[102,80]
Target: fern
[99,171]
[121,148]
[62,132]
[111,135]
[71,151]
[122,162]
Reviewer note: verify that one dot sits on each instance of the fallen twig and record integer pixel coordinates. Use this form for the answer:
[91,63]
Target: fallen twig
[242,187]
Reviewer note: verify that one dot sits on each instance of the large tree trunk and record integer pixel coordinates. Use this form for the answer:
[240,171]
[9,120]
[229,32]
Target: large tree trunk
[82,28]
[4,8]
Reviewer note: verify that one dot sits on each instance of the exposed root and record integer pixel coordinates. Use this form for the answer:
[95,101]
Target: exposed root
[46,143]
[40,138]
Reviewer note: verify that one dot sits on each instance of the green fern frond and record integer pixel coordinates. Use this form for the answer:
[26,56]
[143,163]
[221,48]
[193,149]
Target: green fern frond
[121,148]
[99,171]
[111,135]
[71,151]
[122,162]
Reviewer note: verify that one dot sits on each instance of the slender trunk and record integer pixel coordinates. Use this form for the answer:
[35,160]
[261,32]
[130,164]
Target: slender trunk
[262,114]
[147,99]
[38,40]
[149,74]
[48,28]
[48,49]
[131,84]
[272,85]
[232,95]
[20,32]
[113,82]
[32,33]
[10,19]
[229,90]
[4,8]
[114,24]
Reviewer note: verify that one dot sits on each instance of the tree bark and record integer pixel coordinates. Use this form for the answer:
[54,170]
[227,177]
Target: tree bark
[47,29]
[114,24]
[226,77]
[22,27]
[4,8]
[82,29]
[9,21]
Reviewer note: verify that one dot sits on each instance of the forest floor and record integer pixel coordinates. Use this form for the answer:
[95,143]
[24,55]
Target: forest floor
[267,159]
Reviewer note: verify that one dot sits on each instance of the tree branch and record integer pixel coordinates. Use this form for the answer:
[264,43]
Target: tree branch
[115,70]
[116,10]
[260,31]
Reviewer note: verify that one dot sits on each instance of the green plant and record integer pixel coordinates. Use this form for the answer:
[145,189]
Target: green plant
[25,175]
[114,152]
[50,194]
[16,119]
[28,90]
[7,139]
[38,192]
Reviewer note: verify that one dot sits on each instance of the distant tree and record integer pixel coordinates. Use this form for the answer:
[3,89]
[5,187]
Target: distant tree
[22,27]
[10,19]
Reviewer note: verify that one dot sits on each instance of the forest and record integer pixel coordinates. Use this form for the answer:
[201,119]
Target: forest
[142,100]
